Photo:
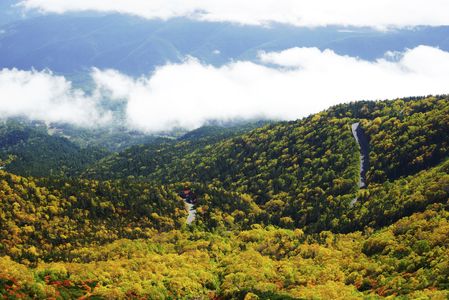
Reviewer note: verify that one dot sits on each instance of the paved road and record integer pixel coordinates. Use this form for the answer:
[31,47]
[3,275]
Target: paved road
[192,213]
[362,141]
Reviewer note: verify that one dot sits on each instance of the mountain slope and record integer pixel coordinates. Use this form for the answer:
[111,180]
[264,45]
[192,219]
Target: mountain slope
[266,200]
[141,160]
[407,260]
[31,151]
[406,136]
[48,219]
[304,173]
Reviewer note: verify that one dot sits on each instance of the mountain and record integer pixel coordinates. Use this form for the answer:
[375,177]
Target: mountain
[136,46]
[30,151]
[141,160]
[42,150]
[111,138]
[279,211]
[305,172]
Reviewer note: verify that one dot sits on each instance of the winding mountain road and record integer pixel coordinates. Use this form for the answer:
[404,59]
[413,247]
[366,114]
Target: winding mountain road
[192,213]
[362,141]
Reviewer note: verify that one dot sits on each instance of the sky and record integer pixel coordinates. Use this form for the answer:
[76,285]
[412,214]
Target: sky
[283,85]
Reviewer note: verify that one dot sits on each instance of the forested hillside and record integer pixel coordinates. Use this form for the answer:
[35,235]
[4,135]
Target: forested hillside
[279,213]
[406,136]
[407,260]
[140,161]
[31,151]
[47,219]
[293,166]
[301,173]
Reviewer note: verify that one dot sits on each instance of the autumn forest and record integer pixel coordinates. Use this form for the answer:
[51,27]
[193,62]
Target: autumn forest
[280,213]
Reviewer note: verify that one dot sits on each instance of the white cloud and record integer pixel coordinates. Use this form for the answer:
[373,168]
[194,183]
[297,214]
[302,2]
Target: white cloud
[284,85]
[372,13]
[46,97]
[111,84]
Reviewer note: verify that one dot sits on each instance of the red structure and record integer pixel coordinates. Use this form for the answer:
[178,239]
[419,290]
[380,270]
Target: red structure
[188,195]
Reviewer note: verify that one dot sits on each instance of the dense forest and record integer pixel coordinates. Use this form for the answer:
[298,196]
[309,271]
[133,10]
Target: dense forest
[279,213]
[407,260]
[47,221]
[31,151]
[305,172]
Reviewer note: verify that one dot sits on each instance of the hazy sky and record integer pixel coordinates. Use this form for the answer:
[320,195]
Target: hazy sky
[374,13]
[285,85]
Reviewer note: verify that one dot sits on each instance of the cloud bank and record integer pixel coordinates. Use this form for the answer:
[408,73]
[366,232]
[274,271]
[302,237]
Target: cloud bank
[45,97]
[372,13]
[282,85]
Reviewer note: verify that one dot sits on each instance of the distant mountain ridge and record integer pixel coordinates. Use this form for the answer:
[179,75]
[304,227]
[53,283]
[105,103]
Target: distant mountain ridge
[31,151]
[136,46]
